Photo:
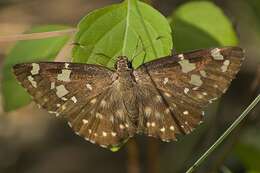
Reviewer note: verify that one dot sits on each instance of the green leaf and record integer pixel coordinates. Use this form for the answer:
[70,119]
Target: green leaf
[14,95]
[255,6]
[249,155]
[248,149]
[201,25]
[115,30]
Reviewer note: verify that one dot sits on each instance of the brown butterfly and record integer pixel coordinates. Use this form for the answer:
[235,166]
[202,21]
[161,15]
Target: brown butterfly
[161,98]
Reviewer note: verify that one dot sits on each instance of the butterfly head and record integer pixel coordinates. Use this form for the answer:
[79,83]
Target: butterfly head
[123,64]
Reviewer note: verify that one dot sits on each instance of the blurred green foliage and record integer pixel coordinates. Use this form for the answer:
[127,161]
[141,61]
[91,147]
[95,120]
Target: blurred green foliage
[199,25]
[248,149]
[28,51]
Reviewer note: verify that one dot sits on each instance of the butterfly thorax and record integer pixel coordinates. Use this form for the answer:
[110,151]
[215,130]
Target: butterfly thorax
[124,71]
[126,84]
[123,64]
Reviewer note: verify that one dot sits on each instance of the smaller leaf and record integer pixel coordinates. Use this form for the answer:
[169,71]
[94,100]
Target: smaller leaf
[14,96]
[201,24]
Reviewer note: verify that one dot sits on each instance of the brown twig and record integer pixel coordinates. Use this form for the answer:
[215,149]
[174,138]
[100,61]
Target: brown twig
[133,157]
[40,35]
[153,156]
[65,52]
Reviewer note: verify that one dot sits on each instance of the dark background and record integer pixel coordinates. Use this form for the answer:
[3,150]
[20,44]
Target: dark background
[31,141]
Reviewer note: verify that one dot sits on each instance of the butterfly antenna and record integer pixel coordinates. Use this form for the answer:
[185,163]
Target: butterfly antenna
[136,47]
[174,52]
[82,46]
[145,48]
[104,56]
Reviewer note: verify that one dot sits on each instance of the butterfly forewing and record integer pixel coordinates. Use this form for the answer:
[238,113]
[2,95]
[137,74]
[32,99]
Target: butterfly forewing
[79,92]
[187,83]
[161,98]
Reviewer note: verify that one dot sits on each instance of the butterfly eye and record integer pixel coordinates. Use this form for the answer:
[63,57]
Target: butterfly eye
[115,65]
[129,64]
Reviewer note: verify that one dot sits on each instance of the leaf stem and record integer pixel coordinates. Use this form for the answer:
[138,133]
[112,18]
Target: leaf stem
[40,35]
[145,28]
[224,135]
[126,27]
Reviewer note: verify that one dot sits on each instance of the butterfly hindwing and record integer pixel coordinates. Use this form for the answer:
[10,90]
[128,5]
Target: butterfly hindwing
[187,83]
[82,94]
[107,122]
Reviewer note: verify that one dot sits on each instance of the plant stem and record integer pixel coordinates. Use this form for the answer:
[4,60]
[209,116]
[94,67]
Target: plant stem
[40,35]
[224,135]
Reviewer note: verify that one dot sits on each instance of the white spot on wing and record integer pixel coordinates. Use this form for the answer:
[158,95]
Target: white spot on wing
[113,134]
[167,110]
[104,134]
[85,121]
[52,85]
[181,56]
[111,119]
[103,103]
[35,69]
[186,66]
[147,111]
[32,81]
[93,101]
[195,88]
[165,81]
[185,112]
[99,115]
[203,73]
[66,65]
[89,86]
[64,76]
[158,98]
[225,65]
[172,128]
[196,80]
[186,90]
[64,99]
[53,112]
[63,107]
[167,94]
[61,91]
[162,129]
[121,126]
[216,54]
[74,99]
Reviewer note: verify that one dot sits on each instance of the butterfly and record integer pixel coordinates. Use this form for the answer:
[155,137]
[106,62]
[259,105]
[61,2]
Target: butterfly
[162,98]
